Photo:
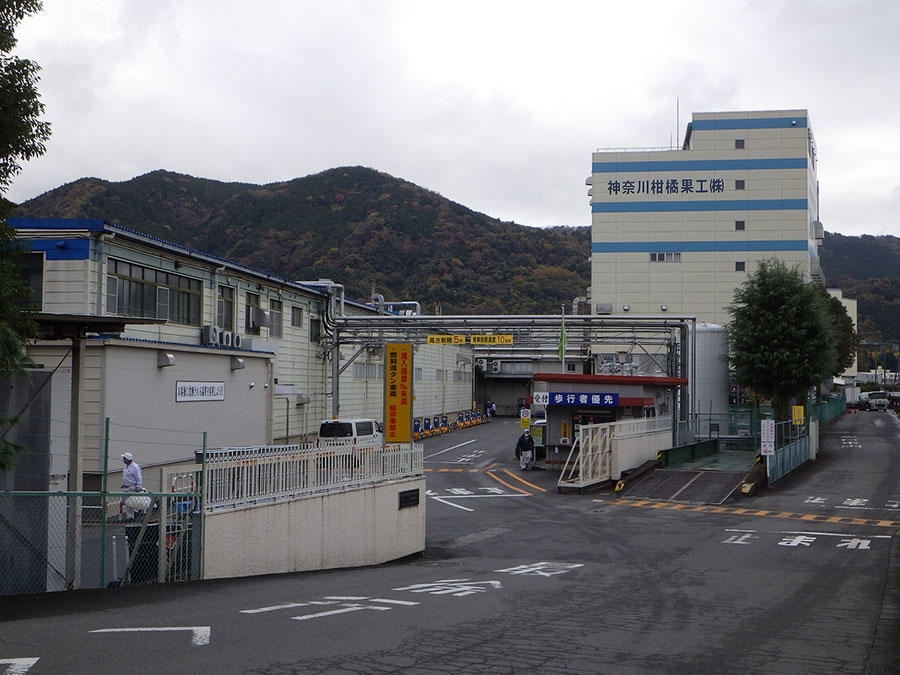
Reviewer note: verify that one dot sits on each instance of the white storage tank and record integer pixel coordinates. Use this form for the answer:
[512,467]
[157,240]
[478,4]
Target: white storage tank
[712,388]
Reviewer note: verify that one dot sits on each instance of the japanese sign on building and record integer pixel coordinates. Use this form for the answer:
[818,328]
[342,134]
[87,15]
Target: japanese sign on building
[199,391]
[665,186]
[578,398]
[398,392]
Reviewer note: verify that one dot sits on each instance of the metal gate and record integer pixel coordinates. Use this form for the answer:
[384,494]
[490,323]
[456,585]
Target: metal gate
[590,459]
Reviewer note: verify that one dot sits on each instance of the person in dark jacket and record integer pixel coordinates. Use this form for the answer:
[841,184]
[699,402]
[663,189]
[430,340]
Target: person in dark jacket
[525,450]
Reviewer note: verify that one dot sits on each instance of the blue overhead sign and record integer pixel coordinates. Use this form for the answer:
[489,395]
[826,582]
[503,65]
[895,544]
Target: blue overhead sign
[582,398]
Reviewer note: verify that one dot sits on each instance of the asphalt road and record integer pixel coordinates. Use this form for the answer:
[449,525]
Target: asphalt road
[804,578]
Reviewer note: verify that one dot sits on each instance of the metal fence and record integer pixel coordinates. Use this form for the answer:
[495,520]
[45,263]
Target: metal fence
[44,547]
[242,477]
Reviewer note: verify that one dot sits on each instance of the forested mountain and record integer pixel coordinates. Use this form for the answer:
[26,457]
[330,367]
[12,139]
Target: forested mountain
[373,232]
[867,268]
[360,227]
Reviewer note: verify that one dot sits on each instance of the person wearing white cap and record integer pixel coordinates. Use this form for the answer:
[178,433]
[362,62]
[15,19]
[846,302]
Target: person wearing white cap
[525,450]
[132,481]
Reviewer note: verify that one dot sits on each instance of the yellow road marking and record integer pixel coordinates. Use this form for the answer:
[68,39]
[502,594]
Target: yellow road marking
[706,508]
[522,480]
[511,487]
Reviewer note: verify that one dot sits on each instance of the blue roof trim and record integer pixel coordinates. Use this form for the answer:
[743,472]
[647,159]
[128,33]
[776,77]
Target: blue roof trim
[699,246]
[91,225]
[695,205]
[702,165]
[751,123]
[61,249]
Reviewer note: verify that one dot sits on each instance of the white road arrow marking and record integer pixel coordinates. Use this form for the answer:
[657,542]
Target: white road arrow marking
[200,634]
[18,666]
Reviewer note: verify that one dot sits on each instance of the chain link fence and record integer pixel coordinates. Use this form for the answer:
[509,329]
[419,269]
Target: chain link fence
[54,541]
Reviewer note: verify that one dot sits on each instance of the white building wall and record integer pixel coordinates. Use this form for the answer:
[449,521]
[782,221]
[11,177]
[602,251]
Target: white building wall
[297,391]
[778,167]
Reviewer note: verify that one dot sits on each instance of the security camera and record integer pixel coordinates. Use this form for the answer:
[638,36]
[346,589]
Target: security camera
[252,384]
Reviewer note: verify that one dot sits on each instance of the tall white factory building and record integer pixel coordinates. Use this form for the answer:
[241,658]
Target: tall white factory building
[677,230]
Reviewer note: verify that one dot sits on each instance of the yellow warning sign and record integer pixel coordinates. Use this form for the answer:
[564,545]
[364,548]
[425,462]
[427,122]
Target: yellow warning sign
[446,339]
[491,339]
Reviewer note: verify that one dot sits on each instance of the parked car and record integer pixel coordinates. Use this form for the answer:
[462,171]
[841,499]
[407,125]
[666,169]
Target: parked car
[359,431]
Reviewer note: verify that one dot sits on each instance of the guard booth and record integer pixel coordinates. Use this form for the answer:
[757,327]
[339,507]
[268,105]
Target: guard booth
[572,401]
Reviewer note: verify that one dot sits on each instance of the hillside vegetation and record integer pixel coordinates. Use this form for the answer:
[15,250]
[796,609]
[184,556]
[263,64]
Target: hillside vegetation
[373,232]
[360,227]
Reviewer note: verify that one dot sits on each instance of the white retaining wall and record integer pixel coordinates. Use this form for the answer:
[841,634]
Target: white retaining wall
[358,527]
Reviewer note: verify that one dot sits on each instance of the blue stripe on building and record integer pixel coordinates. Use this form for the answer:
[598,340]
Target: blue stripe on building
[61,249]
[702,165]
[713,205]
[699,246]
[755,123]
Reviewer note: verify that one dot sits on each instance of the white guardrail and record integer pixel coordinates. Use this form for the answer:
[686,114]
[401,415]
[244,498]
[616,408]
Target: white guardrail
[241,477]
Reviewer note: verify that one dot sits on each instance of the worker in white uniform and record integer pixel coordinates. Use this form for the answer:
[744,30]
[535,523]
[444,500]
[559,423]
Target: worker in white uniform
[132,481]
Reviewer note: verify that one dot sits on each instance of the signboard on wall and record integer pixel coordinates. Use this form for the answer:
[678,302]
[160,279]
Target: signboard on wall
[580,398]
[199,391]
[398,392]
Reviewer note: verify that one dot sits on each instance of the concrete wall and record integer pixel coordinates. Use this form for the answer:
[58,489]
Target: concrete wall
[348,529]
[630,453]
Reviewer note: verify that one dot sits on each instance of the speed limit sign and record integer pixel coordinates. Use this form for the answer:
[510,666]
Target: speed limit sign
[524,418]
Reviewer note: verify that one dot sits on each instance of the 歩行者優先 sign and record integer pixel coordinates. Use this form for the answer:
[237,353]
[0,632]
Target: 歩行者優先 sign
[199,391]
[576,398]
[398,392]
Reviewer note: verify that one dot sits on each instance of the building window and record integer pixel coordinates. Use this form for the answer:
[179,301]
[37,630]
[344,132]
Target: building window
[135,290]
[439,374]
[740,266]
[417,374]
[31,267]
[315,329]
[297,317]
[739,144]
[740,225]
[570,367]
[225,308]
[666,257]
[251,314]
[275,318]
[740,184]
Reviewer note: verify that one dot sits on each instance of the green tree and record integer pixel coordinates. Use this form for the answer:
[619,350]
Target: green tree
[846,340]
[22,137]
[781,338]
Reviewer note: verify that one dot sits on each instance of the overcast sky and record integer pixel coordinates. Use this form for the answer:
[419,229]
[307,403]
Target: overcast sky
[495,105]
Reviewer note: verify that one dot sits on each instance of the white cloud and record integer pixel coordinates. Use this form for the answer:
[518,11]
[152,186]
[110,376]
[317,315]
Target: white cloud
[496,105]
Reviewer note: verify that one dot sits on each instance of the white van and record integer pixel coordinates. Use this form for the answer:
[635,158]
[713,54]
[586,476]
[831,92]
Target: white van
[365,431]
